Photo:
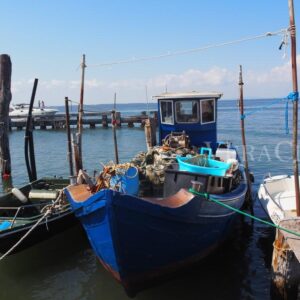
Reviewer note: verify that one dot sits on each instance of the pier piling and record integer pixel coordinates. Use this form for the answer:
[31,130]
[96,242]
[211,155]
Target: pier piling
[5,98]
[285,269]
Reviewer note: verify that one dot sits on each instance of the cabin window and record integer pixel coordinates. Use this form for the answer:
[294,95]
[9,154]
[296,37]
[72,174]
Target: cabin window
[187,111]
[166,112]
[207,111]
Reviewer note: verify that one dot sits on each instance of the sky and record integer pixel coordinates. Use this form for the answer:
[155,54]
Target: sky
[46,39]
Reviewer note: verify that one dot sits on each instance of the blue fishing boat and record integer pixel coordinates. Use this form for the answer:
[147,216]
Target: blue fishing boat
[143,229]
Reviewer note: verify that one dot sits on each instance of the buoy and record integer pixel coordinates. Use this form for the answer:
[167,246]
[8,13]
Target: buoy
[19,195]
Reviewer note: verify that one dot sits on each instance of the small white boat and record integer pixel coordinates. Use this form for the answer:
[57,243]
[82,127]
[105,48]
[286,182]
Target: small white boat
[277,197]
[22,109]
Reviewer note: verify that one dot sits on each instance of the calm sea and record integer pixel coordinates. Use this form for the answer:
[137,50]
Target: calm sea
[66,268]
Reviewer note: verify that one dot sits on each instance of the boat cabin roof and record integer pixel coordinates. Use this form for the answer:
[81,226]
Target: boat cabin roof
[189,95]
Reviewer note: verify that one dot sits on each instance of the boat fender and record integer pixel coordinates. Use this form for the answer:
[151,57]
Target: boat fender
[17,193]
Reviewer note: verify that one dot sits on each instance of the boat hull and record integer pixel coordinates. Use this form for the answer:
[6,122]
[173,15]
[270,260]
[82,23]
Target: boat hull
[44,231]
[141,242]
[28,215]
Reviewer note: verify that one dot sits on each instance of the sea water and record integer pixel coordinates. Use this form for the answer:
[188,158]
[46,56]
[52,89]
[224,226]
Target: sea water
[65,267]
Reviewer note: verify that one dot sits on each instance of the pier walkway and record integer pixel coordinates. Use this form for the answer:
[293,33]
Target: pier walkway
[90,119]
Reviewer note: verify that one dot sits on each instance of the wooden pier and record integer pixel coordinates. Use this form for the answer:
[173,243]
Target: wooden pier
[91,120]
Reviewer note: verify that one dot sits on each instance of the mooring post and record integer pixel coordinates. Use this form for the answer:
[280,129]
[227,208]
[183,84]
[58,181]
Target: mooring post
[114,123]
[70,157]
[28,142]
[80,114]
[295,103]
[150,133]
[245,156]
[74,140]
[118,119]
[104,121]
[285,261]
[5,98]
[285,269]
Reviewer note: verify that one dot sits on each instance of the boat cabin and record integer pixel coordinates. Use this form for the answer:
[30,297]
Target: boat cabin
[194,113]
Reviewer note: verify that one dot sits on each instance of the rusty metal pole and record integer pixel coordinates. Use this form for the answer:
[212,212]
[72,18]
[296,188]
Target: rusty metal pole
[245,157]
[5,98]
[80,114]
[295,103]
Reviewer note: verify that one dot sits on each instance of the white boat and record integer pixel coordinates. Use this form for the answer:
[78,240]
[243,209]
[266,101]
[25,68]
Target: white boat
[21,110]
[277,197]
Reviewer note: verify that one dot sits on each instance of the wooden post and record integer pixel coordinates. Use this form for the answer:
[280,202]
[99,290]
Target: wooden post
[295,103]
[113,123]
[150,133]
[118,119]
[28,144]
[245,157]
[130,124]
[5,98]
[70,157]
[285,268]
[80,114]
[286,251]
[153,131]
[104,121]
[76,153]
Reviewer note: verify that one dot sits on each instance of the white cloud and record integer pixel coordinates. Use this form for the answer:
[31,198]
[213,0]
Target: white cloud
[275,82]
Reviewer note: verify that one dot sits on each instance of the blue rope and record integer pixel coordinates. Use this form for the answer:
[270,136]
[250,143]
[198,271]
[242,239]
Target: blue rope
[293,96]
[243,116]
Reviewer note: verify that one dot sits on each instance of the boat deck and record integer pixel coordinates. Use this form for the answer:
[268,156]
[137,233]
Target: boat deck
[286,200]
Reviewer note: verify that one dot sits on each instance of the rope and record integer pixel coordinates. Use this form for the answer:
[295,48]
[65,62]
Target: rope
[260,109]
[283,32]
[47,213]
[293,96]
[207,196]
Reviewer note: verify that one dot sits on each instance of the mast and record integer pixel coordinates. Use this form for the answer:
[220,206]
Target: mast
[295,102]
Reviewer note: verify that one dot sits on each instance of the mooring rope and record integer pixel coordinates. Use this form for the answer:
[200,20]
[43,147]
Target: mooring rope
[207,196]
[46,214]
[292,97]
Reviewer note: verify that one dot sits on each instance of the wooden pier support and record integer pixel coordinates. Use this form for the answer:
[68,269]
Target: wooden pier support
[143,123]
[150,133]
[130,124]
[285,269]
[118,119]
[104,121]
[5,98]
